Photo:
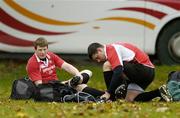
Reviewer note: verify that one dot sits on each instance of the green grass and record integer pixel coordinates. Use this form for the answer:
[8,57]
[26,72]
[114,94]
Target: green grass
[11,70]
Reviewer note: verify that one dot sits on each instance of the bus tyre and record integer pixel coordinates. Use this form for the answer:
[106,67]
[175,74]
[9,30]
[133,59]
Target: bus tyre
[168,46]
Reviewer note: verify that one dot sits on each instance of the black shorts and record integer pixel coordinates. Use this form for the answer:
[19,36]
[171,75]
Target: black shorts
[139,74]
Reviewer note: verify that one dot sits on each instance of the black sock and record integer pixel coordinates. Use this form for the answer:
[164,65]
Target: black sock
[85,78]
[93,92]
[147,96]
[107,77]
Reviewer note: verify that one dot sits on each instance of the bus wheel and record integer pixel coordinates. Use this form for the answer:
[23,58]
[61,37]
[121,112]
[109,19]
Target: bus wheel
[168,47]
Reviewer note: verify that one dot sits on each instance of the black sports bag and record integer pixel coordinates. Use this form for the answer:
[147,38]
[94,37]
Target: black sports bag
[53,91]
[23,88]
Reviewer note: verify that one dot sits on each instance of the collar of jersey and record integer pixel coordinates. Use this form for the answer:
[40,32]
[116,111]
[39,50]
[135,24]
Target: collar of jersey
[47,56]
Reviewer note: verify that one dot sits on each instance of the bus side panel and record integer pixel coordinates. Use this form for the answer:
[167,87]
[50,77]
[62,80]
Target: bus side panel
[161,15]
[70,26]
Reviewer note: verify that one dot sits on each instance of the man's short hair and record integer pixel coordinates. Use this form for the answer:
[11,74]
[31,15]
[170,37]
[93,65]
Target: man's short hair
[42,42]
[92,49]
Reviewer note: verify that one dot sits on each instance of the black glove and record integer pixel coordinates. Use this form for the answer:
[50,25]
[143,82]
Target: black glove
[74,81]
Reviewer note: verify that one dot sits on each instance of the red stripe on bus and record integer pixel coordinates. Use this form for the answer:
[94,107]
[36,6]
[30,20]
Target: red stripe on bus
[14,23]
[11,40]
[170,3]
[151,12]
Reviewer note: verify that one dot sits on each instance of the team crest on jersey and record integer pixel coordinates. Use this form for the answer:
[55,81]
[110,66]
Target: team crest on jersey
[48,69]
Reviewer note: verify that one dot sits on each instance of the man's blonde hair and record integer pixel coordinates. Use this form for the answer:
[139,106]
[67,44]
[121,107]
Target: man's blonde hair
[42,42]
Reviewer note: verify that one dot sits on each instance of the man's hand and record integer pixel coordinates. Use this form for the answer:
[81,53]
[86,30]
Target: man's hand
[38,82]
[105,96]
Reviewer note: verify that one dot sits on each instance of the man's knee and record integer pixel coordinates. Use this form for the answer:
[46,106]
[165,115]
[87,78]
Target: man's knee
[80,87]
[107,66]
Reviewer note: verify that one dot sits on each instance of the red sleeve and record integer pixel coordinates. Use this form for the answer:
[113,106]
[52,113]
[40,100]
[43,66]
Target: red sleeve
[57,60]
[33,71]
[113,57]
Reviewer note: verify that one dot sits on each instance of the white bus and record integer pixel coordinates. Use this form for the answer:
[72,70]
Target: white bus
[71,25]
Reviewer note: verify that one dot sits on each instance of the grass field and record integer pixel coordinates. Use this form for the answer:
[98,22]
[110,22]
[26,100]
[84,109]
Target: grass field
[10,70]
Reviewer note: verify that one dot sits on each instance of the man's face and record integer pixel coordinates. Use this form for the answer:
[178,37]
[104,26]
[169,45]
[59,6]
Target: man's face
[41,52]
[99,56]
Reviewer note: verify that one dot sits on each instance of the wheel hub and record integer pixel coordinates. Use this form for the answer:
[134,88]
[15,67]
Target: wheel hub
[174,46]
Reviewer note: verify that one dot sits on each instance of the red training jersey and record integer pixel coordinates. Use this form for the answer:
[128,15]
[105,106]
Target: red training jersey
[44,70]
[120,52]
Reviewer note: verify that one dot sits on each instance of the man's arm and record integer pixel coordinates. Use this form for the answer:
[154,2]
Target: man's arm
[71,69]
[115,82]
[34,73]
[116,79]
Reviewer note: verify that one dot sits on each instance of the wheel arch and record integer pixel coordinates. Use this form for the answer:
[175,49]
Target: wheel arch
[161,31]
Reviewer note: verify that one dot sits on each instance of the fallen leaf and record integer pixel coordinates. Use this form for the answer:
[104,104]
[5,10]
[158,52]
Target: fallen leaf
[21,115]
[162,109]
